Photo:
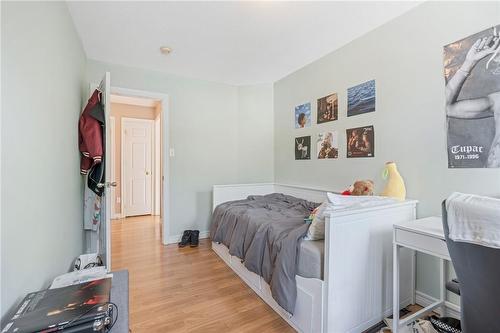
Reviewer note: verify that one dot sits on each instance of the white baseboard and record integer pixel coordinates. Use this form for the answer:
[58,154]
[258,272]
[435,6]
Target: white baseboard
[116,216]
[177,238]
[451,309]
[375,320]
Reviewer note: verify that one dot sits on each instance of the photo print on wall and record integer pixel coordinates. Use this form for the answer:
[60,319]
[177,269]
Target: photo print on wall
[328,108]
[360,142]
[472,93]
[361,98]
[303,115]
[327,145]
[303,148]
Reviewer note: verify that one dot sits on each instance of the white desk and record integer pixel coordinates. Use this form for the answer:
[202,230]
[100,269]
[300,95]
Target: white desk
[423,235]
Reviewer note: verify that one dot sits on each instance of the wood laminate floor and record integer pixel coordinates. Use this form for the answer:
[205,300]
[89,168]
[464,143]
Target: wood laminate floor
[184,290]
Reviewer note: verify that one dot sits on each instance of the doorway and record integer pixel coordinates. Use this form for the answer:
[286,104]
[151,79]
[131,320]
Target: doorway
[137,156]
[111,206]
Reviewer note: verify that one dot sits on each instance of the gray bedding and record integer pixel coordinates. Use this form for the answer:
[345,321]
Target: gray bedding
[266,232]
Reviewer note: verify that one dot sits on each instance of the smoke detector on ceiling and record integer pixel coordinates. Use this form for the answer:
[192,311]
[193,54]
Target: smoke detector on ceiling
[165,50]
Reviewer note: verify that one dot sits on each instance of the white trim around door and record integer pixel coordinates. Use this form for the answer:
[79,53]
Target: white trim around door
[112,165]
[157,174]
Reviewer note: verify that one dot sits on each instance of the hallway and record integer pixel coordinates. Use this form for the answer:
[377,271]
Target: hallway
[184,290]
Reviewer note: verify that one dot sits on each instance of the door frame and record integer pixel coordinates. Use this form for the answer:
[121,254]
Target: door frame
[124,193]
[157,189]
[112,131]
[165,125]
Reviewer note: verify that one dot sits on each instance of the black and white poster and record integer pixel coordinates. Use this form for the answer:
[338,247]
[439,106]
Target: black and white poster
[303,148]
[472,76]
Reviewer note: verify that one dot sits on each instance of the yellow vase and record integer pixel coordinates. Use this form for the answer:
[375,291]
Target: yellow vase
[395,187]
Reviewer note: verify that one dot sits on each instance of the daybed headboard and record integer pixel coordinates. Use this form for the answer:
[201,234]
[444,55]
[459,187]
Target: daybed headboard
[224,193]
[311,194]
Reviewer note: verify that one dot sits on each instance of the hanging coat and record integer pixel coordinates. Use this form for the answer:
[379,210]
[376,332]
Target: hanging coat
[97,173]
[90,136]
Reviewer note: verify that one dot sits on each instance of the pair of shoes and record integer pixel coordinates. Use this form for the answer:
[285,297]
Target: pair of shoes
[190,236]
[446,324]
[417,326]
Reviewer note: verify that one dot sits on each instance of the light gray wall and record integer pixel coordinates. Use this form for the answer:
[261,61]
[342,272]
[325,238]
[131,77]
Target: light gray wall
[255,133]
[211,138]
[405,57]
[43,65]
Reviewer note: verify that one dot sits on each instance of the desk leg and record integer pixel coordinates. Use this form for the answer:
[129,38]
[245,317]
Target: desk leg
[395,291]
[413,277]
[442,280]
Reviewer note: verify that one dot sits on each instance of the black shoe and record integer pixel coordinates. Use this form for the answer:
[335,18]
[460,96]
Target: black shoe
[195,238]
[446,324]
[186,237]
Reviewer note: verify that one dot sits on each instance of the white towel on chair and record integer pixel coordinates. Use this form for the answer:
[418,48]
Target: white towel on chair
[474,219]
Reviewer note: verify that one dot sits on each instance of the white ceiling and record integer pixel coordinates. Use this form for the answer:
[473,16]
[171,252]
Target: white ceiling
[231,42]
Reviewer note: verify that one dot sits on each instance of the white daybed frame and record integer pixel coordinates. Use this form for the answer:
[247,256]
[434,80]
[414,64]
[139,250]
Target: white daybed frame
[356,292]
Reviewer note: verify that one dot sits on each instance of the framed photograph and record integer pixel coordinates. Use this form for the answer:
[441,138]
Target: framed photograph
[361,98]
[328,108]
[472,94]
[303,148]
[303,115]
[360,142]
[327,145]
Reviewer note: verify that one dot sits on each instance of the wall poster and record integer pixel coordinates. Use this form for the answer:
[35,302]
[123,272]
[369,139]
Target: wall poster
[472,93]
[303,148]
[361,98]
[328,108]
[303,115]
[327,145]
[361,142]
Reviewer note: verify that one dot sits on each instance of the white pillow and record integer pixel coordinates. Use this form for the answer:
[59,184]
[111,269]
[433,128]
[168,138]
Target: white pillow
[317,228]
[339,201]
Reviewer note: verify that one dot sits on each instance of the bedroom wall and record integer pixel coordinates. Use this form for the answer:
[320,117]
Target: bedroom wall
[43,66]
[208,134]
[255,133]
[405,57]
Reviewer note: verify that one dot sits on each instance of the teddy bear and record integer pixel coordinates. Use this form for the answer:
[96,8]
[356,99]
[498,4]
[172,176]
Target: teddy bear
[360,187]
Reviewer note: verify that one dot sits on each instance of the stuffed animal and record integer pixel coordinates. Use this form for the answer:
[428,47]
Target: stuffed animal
[360,187]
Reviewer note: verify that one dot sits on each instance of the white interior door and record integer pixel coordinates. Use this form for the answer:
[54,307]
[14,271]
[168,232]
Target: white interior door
[105,228]
[137,142]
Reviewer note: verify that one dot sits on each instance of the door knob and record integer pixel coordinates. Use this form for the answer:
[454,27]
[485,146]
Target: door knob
[106,184]
[147,173]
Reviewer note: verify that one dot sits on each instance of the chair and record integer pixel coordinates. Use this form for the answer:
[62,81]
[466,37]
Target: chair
[478,273]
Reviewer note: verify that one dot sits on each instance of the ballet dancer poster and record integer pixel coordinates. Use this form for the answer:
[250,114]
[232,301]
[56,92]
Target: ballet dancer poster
[472,77]
[303,148]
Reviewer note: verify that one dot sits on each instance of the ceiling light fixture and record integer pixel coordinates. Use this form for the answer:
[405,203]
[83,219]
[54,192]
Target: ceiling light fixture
[165,50]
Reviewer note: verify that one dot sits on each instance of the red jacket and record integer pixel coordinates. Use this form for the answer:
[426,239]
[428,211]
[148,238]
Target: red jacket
[90,136]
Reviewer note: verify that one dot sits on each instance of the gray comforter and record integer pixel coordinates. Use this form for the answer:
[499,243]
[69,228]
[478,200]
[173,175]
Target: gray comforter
[265,232]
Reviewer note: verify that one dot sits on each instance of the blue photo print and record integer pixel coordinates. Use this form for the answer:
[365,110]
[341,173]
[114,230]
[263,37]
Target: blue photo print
[303,115]
[361,98]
